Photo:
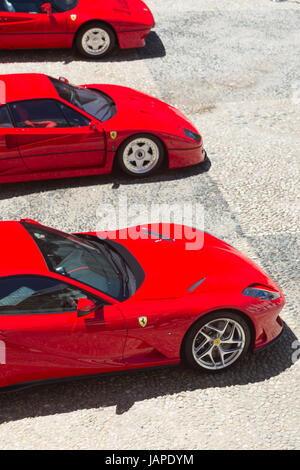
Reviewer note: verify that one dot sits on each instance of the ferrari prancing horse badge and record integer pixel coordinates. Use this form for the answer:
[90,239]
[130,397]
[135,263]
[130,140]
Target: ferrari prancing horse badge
[73,17]
[143,321]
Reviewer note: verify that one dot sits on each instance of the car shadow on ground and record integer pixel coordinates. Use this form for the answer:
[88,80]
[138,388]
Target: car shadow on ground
[154,48]
[116,179]
[124,390]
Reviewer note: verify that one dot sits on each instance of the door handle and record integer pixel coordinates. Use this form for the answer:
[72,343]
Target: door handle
[90,322]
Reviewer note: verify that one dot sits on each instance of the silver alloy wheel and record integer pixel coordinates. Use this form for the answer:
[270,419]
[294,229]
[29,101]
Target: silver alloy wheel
[218,344]
[95,41]
[141,155]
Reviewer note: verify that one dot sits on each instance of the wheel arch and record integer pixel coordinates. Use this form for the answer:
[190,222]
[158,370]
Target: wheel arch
[166,152]
[94,21]
[223,309]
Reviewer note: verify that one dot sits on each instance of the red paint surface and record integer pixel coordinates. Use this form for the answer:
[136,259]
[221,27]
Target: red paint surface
[45,153]
[131,20]
[62,345]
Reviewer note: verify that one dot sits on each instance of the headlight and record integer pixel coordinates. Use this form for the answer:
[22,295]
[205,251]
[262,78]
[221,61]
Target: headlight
[260,293]
[192,135]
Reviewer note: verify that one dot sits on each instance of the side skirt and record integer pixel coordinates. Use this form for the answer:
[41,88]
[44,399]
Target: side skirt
[36,383]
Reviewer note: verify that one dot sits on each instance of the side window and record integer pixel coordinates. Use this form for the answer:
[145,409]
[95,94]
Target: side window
[5,120]
[37,295]
[38,114]
[21,6]
[35,6]
[75,119]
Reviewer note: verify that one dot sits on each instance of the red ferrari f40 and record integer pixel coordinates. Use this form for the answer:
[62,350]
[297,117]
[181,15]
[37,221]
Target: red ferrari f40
[51,129]
[94,27]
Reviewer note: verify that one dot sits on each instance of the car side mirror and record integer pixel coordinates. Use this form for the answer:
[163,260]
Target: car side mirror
[47,8]
[63,79]
[94,125]
[85,307]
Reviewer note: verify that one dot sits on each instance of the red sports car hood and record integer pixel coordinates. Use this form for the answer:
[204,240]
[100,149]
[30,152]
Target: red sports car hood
[144,111]
[120,4]
[171,269]
[133,5]
[123,8]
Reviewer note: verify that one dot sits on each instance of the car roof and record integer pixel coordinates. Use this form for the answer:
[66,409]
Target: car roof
[25,86]
[18,252]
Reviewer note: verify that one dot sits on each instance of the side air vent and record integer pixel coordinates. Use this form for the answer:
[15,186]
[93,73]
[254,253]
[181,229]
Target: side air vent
[158,235]
[197,284]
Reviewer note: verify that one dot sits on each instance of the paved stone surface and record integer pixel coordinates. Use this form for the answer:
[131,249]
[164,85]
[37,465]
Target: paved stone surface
[233,67]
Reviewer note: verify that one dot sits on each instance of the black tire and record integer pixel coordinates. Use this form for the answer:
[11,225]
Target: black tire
[109,34]
[187,346]
[157,146]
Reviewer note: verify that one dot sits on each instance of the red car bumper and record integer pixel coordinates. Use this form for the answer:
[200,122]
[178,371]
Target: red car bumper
[269,333]
[260,348]
[268,324]
[131,39]
[186,157]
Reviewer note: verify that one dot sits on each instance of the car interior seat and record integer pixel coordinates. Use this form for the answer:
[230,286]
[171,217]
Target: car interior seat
[5,5]
[23,116]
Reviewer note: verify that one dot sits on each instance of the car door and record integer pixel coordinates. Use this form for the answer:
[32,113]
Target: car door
[23,25]
[53,136]
[10,159]
[43,336]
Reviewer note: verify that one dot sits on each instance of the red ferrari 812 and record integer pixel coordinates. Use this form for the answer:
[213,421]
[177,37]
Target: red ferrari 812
[90,303]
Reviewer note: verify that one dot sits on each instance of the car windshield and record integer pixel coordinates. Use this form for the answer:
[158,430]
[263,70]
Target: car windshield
[90,263]
[93,102]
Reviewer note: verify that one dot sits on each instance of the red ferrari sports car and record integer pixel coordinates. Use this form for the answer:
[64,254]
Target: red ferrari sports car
[51,129]
[94,27]
[73,305]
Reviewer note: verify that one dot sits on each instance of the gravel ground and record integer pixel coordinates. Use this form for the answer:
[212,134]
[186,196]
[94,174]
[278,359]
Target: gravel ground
[233,67]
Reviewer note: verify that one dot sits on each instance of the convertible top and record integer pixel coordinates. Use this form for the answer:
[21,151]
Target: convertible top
[25,86]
